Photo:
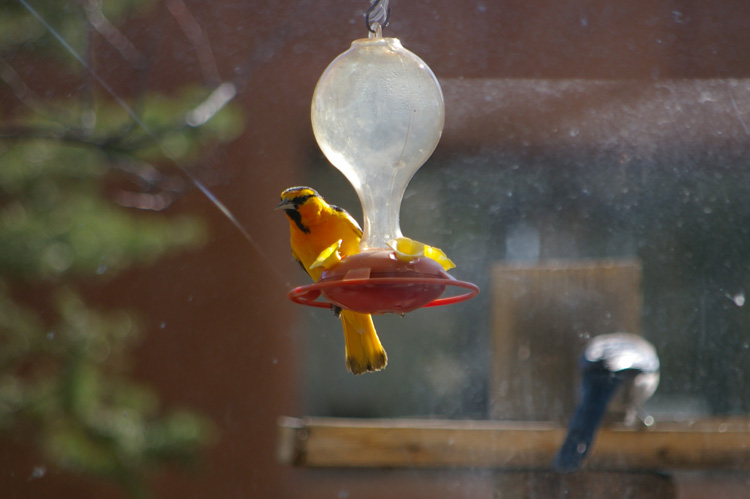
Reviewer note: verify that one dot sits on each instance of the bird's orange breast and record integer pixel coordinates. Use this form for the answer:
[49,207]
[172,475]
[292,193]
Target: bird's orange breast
[324,229]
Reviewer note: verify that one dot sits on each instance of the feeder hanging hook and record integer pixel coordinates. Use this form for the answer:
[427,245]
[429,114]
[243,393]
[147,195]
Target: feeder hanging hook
[378,13]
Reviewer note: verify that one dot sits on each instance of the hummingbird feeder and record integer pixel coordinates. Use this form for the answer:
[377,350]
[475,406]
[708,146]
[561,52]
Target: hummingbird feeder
[377,115]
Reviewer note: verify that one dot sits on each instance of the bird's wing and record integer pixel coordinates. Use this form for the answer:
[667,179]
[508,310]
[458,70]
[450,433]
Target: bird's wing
[299,260]
[355,225]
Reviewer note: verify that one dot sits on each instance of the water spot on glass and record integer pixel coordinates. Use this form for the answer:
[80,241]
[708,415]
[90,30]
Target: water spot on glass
[522,243]
[524,353]
[706,97]
[88,119]
[39,472]
[58,256]
[738,298]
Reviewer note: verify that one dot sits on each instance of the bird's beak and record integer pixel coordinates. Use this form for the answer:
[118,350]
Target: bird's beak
[285,204]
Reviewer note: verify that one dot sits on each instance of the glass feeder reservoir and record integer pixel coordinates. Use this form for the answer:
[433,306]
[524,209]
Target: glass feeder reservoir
[377,115]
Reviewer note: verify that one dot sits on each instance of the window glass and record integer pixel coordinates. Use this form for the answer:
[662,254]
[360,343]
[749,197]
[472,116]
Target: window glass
[146,341]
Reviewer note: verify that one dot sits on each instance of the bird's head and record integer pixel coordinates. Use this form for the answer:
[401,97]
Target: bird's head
[303,205]
[295,197]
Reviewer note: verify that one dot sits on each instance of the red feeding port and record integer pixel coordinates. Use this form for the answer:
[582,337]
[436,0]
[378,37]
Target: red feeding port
[376,282]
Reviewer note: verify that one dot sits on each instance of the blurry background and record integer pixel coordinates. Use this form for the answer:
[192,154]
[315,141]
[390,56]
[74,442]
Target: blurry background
[147,345]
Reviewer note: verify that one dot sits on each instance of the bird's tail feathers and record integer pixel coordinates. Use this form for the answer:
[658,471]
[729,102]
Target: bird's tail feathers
[598,390]
[364,353]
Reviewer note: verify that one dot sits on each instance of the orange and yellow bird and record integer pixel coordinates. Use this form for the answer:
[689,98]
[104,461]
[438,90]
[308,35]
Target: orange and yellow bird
[317,230]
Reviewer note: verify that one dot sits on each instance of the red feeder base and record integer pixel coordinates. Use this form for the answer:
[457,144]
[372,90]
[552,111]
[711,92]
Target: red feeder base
[376,282]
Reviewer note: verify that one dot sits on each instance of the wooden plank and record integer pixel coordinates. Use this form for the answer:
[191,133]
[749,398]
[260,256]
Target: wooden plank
[406,443]
[542,317]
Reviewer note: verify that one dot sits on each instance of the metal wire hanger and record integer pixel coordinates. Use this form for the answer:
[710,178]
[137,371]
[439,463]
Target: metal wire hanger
[378,13]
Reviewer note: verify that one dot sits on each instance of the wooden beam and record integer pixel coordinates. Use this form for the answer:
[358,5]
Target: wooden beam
[409,443]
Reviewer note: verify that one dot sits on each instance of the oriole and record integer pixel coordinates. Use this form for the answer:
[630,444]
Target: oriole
[318,229]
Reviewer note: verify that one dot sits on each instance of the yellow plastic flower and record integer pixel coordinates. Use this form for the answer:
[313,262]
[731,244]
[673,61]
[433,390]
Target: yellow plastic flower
[328,257]
[407,250]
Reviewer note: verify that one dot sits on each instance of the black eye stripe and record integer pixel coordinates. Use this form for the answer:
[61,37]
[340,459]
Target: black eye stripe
[302,199]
